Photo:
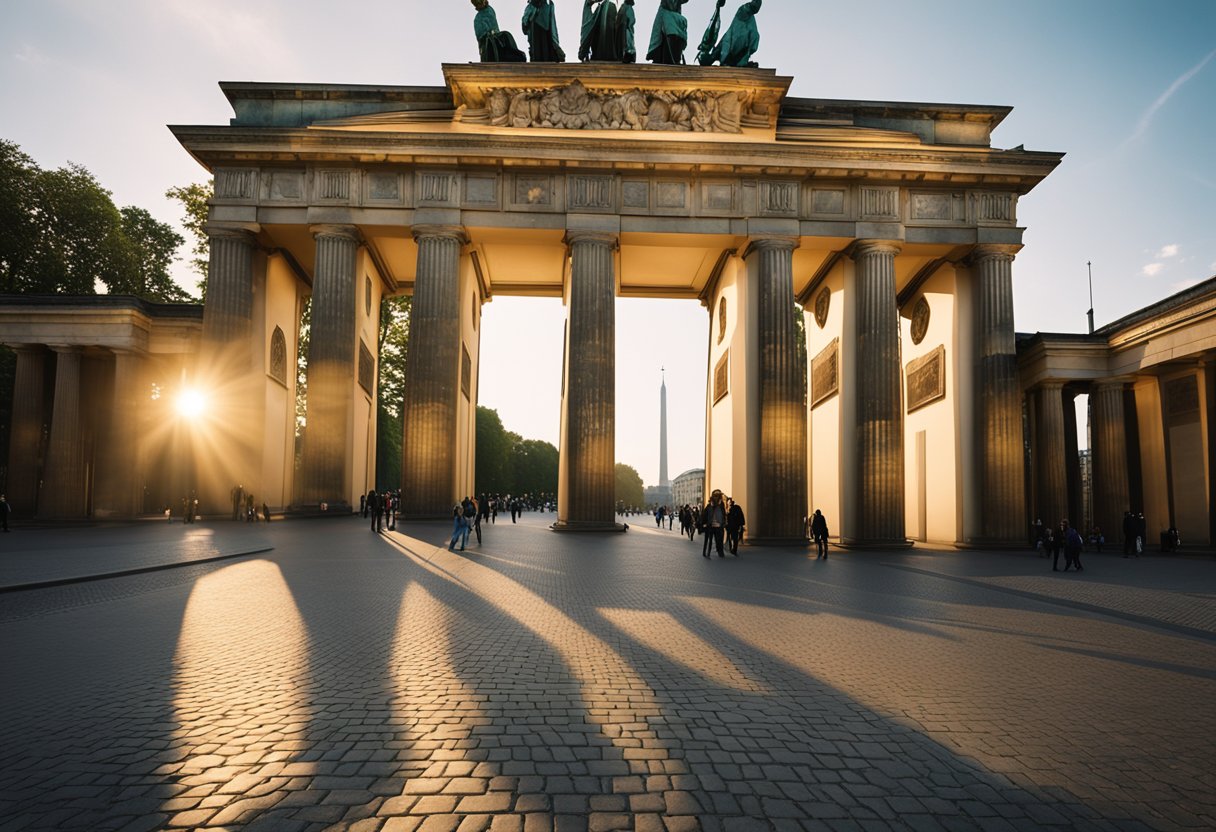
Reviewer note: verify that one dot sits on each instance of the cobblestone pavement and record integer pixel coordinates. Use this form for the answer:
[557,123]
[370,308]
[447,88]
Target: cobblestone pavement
[554,682]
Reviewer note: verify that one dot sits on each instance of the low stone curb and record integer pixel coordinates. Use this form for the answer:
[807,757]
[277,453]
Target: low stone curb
[125,572]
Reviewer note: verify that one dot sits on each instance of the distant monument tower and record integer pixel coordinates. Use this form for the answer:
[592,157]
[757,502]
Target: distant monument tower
[664,482]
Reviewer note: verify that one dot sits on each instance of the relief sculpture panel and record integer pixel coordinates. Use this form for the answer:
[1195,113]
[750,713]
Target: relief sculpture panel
[926,379]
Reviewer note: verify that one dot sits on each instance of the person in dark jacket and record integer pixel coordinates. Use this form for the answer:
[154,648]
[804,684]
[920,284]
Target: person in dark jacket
[714,520]
[375,509]
[819,533]
[735,522]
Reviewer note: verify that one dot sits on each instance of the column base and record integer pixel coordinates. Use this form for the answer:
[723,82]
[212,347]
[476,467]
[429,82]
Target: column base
[594,526]
[886,545]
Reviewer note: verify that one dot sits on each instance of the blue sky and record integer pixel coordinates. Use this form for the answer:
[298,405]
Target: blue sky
[1126,89]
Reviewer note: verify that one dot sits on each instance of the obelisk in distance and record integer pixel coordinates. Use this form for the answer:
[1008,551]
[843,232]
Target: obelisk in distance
[664,482]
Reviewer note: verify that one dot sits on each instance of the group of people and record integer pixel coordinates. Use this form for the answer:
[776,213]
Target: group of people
[244,507]
[381,508]
[1064,538]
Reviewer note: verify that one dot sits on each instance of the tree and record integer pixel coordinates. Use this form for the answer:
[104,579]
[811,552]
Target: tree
[18,234]
[151,248]
[629,485]
[196,201]
[495,446]
[394,340]
[534,467]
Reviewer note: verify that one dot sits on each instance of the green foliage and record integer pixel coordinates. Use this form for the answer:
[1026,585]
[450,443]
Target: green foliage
[394,339]
[509,464]
[195,200]
[388,450]
[629,485]
[534,467]
[60,233]
[800,341]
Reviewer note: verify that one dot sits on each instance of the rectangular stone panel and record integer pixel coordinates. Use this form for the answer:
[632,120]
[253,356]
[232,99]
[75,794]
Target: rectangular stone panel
[283,185]
[480,190]
[384,187]
[436,188]
[236,183]
[1181,401]
[635,193]
[825,374]
[828,202]
[722,377]
[719,198]
[926,379]
[590,193]
[779,199]
[367,369]
[333,185]
[880,203]
[534,192]
[671,197]
[930,207]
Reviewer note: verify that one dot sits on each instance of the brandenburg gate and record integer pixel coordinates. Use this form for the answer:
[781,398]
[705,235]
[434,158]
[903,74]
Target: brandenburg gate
[889,228]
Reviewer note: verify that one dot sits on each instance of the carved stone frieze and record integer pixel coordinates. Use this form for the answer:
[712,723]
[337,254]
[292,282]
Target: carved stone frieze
[574,107]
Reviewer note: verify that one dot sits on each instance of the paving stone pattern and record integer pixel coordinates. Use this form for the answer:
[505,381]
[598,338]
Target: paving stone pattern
[544,683]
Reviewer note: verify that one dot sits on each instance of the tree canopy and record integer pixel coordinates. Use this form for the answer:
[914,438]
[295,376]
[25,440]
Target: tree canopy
[61,233]
[629,486]
[509,464]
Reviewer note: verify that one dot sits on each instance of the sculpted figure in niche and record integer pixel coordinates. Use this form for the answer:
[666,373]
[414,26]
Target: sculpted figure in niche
[494,46]
[625,21]
[540,26]
[600,38]
[669,35]
[742,38]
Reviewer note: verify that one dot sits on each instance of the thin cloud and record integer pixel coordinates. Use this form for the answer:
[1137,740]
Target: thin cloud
[1146,120]
[1168,251]
[1152,269]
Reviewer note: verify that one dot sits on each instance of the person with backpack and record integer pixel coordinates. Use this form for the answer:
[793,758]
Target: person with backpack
[735,523]
[468,510]
[1073,544]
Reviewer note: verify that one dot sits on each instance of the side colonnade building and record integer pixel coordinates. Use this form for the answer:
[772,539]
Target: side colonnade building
[889,228]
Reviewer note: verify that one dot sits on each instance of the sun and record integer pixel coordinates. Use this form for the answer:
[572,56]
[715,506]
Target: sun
[191,403]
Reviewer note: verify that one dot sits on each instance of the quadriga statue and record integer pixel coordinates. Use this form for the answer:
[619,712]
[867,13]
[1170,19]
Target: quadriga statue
[742,38]
[600,38]
[669,35]
[540,26]
[493,45]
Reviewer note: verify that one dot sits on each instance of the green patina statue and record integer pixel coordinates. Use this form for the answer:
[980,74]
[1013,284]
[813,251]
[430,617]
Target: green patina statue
[600,39]
[669,35]
[494,46]
[540,26]
[705,52]
[626,20]
[742,38]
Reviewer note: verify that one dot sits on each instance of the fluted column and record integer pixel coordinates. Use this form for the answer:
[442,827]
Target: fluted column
[1050,454]
[1109,482]
[228,314]
[432,376]
[63,475]
[331,368]
[119,488]
[26,436]
[998,406]
[779,503]
[880,412]
[588,452]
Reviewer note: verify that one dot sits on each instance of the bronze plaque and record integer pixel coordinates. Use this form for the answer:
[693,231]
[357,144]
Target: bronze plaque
[920,320]
[722,377]
[278,356]
[926,379]
[823,302]
[825,374]
[721,320]
[367,369]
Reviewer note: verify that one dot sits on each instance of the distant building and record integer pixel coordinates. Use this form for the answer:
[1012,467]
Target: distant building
[657,495]
[689,488]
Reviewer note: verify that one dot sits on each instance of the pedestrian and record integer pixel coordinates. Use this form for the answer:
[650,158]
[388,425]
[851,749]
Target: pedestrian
[238,499]
[374,509]
[819,532]
[469,511]
[735,523]
[458,526]
[481,511]
[5,511]
[266,512]
[1130,532]
[1073,544]
[1056,541]
[363,505]
[714,519]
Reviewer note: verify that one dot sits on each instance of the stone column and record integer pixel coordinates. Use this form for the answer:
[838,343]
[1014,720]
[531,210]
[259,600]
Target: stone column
[588,452]
[228,315]
[432,376]
[1049,455]
[1109,482]
[63,475]
[998,405]
[880,409]
[26,438]
[779,502]
[120,484]
[331,369]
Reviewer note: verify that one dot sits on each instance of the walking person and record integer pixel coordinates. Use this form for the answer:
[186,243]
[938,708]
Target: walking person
[468,510]
[375,509]
[1055,540]
[1073,544]
[458,526]
[714,518]
[481,511]
[735,523]
[5,511]
[819,532]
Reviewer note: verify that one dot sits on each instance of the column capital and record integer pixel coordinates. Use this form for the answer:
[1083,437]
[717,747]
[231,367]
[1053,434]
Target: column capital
[26,349]
[592,237]
[1050,384]
[770,242]
[245,232]
[445,232]
[993,251]
[65,349]
[348,232]
[860,248]
[1118,382]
